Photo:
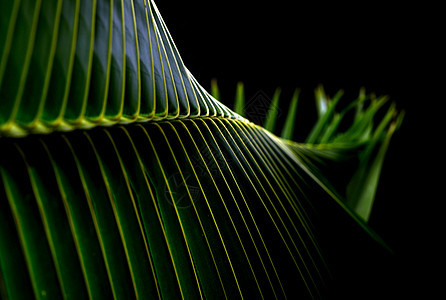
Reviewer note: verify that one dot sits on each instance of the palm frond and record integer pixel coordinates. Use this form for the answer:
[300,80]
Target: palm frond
[122,177]
[329,148]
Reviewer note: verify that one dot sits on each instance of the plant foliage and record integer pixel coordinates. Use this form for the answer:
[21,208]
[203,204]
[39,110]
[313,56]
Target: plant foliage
[122,177]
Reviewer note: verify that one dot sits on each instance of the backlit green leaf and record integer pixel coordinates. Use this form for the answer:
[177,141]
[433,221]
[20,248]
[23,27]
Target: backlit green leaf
[122,177]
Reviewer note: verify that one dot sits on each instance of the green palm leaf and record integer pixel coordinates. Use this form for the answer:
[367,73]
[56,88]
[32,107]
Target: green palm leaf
[121,176]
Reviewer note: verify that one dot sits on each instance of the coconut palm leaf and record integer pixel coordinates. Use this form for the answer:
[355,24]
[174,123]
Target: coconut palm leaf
[122,177]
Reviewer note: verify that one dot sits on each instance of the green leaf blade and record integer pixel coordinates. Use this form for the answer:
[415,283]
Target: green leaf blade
[239,104]
[288,128]
[271,117]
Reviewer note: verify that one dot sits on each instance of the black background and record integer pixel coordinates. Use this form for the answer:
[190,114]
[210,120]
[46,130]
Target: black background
[387,49]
